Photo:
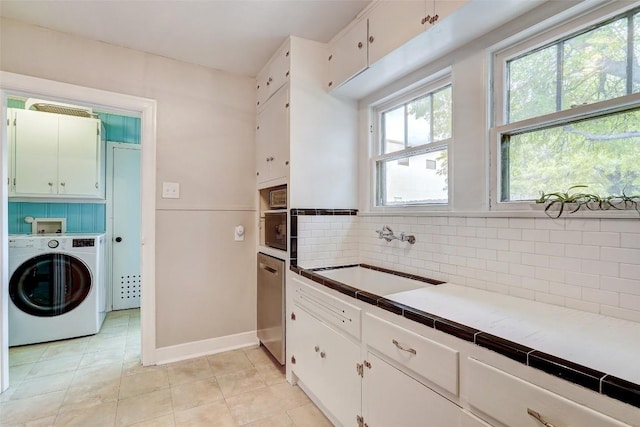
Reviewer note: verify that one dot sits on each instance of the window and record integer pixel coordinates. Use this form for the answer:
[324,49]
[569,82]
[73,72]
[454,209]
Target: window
[411,161]
[570,113]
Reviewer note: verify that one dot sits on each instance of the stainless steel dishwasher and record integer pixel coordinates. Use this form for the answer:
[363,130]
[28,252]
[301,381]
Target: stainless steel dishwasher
[270,302]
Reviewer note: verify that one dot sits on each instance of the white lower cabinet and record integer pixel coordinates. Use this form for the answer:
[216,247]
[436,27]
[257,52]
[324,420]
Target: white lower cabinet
[325,362]
[515,402]
[390,397]
[364,369]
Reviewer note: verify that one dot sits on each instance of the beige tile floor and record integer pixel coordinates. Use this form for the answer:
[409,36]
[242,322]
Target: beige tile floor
[98,381]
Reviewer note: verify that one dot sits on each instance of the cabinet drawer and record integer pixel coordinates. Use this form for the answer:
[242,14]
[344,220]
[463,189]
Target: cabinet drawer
[433,361]
[507,399]
[327,308]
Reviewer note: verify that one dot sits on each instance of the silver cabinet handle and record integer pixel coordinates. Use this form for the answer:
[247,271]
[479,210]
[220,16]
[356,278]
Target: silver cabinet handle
[538,417]
[408,350]
[323,354]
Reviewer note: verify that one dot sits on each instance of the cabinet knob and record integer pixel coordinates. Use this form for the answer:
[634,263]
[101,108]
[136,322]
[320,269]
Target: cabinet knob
[258,87]
[293,316]
[271,159]
[293,360]
[316,348]
[330,84]
[270,80]
[50,184]
[118,239]
[423,20]
[359,45]
[330,57]
[62,183]
[286,163]
[323,355]
[371,39]
[286,105]
[286,54]
[267,159]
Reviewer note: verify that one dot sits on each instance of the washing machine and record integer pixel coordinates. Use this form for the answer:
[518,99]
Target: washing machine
[56,287]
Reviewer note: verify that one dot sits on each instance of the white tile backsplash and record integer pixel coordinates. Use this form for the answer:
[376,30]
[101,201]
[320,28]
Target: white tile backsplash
[587,264]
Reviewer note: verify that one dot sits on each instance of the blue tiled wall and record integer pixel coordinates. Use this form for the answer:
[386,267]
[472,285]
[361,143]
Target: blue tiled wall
[81,217]
[121,128]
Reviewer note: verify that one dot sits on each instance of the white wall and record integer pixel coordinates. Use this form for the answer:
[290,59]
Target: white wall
[205,139]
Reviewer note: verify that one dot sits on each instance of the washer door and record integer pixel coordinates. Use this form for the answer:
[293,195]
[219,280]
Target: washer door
[50,285]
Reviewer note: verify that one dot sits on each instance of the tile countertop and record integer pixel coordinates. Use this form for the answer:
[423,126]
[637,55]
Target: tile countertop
[603,343]
[593,350]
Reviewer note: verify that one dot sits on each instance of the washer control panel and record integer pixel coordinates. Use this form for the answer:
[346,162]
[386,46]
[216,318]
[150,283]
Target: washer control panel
[83,243]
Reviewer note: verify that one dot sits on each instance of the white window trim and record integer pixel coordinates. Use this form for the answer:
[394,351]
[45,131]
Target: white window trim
[498,64]
[439,81]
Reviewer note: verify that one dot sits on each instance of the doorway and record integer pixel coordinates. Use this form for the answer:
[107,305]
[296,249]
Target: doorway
[24,86]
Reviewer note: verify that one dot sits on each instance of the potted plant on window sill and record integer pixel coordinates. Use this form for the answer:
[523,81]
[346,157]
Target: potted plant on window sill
[571,201]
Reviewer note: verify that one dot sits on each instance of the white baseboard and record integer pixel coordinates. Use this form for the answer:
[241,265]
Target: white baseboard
[193,349]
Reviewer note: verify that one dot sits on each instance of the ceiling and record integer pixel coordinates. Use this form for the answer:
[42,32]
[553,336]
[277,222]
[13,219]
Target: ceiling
[238,36]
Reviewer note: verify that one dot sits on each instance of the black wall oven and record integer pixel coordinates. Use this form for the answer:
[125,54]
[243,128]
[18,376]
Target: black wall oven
[275,230]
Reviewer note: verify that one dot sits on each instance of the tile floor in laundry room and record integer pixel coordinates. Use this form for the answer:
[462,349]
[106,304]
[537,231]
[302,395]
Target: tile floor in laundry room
[98,381]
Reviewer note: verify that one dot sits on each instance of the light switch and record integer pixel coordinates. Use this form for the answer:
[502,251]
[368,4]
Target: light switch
[239,233]
[170,190]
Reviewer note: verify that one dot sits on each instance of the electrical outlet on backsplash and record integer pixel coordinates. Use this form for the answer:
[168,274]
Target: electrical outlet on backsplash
[587,264]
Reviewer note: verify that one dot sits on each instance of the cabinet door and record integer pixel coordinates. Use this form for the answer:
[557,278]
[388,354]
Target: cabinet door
[392,398]
[36,153]
[326,364]
[262,147]
[392,24]
[78,156]
[261,89]
[278,70]
[272,139]
[443,8]
[279,163]
[348,54]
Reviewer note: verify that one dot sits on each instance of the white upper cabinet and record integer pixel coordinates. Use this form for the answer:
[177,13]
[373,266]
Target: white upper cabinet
[55,155]
[305,137]
[386,27]
[348,54]
[36,153]
[272,138]
[392,24]
[273,76]
[440,9]
[78,156]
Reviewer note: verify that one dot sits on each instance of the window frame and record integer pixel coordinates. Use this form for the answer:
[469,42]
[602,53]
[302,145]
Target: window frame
[376,145]
[499,59]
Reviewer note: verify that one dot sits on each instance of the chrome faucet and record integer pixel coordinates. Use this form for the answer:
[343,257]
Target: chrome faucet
[387,234]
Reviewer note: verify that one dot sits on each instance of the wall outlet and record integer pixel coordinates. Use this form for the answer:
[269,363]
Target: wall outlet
[170,190]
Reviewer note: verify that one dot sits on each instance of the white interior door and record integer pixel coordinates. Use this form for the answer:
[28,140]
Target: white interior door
[126,244]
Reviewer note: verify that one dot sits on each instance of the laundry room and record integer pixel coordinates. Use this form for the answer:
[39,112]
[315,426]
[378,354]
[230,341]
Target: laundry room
[73,218]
